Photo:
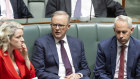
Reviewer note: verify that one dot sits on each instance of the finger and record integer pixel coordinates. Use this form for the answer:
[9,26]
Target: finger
[76,76]
[69,76]
[72,76]
[23,45]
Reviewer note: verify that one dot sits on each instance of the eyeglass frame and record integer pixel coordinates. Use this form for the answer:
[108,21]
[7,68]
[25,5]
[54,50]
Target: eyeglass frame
[59,25]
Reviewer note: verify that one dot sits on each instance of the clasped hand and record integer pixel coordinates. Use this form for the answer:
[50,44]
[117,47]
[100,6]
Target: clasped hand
[73,76]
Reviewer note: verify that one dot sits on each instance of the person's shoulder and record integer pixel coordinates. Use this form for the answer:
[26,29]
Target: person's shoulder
[44,37]
[135,40]
[73,38]
[108,40]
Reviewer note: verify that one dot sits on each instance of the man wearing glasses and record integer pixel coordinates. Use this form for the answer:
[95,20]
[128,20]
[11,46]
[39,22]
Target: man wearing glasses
[59,56]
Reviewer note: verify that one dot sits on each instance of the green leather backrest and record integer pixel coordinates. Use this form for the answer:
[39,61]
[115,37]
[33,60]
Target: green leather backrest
[36,7]
[73,31]
[31,33]
[88,34]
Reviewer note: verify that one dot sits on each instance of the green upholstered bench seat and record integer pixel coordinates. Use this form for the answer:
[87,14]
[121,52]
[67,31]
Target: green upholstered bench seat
[89,33]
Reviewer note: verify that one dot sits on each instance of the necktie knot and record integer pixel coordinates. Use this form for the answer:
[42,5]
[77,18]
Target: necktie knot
[61,42]
[123,46]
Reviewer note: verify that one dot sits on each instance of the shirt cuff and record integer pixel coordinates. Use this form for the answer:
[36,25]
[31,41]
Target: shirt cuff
[61,78]
[81,75]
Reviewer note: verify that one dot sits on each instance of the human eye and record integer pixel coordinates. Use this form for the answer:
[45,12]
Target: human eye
[19,36]
[54,25]
[60,25]
[124,32]
[118,32]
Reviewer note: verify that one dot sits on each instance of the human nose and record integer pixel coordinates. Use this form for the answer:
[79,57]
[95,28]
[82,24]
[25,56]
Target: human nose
[57,27]
[121,35]
[22,39]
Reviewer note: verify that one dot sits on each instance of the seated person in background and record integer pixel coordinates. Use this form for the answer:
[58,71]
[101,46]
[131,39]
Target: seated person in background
[13,9]
[89,8]
[59,56]
[119,57]
[14,61]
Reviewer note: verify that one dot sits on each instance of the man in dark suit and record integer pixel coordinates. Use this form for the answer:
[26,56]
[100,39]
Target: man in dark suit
[119,57]
[47,55]
[17,7]
[100,8]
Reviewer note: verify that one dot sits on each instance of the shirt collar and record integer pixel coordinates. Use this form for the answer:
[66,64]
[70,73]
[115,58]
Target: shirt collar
[119,44]
[57,41]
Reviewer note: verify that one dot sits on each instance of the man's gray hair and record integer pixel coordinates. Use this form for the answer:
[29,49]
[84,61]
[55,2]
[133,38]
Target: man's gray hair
[124,18]
[61,13]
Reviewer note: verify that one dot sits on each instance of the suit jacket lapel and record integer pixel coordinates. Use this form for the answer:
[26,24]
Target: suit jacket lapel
[9,65]
[72,49]
[131,54]
[53,48]
[94,2]
[68,6]
[113,51]
[14,6]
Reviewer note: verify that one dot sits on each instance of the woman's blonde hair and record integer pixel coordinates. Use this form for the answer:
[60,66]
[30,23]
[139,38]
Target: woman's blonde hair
[7,30]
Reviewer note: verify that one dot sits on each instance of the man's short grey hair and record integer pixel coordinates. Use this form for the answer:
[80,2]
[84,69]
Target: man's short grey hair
[61,13]
[124,18]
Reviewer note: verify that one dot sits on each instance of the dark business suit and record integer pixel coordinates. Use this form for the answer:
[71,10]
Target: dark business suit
[19,9]
[102,8]
[106,59]
[45,57]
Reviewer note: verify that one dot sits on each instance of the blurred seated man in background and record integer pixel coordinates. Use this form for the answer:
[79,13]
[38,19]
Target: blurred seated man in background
[119,57]
[14,60]
[85,8]
[59,56]
[13,9]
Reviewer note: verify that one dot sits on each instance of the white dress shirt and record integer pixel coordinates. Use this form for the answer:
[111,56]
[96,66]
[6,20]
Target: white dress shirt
[3,9]
[85,8]
[118,60]
[62,70]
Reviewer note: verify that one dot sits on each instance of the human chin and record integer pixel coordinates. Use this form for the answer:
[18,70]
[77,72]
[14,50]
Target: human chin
[122,42]
[19,47]
[58,37]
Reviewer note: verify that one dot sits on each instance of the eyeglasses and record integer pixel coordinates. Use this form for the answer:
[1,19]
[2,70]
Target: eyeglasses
[59,25]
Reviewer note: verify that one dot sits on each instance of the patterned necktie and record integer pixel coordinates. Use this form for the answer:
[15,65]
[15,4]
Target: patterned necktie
[8,9]
[121,67]
[65,59]
[77,11]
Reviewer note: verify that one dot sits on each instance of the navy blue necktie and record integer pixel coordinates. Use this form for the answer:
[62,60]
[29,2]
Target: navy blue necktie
[77,11]
[65,59]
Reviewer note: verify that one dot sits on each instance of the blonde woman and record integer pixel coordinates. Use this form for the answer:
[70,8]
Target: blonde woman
[14,61]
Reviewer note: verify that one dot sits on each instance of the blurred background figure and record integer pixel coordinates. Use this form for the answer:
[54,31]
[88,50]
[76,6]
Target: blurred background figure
[86,8]
[13,9]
